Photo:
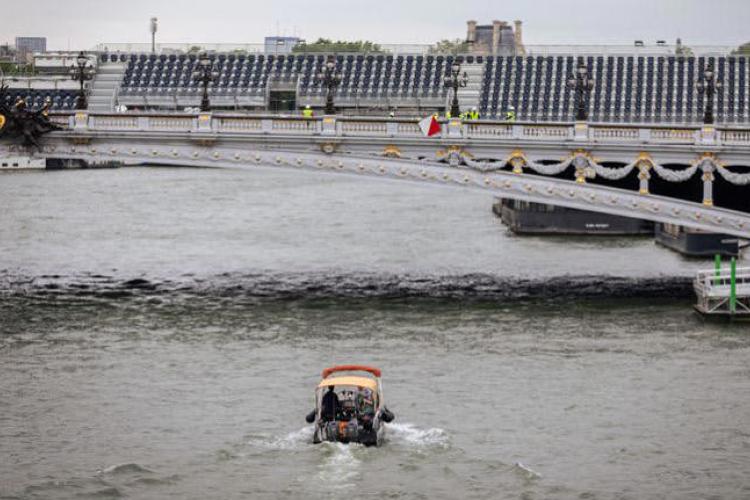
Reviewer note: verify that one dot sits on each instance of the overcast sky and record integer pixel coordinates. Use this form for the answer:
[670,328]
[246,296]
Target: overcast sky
[81,24]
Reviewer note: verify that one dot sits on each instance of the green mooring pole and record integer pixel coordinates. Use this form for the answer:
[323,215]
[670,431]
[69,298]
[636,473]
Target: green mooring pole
[717,259]
[733,289]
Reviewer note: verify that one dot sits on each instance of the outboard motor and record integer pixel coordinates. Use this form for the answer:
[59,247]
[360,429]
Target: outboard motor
[387,415]
[351,431]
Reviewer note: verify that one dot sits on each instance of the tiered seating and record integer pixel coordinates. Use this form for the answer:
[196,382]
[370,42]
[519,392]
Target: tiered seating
[244,79]
[169,78]
[626,88]
[35,99]
[379,79]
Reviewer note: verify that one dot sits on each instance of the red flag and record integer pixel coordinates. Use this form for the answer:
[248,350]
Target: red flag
[430,126]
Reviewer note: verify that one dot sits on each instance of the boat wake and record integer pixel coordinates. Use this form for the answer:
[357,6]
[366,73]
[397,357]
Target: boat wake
[527,472]
[410,436]
[340,467]
[128,468]
[293,441]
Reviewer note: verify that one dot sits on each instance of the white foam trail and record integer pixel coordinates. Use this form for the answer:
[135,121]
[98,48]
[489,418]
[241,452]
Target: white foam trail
[410,435]
[341,468]
[530,473]
[123,469]
[291,441]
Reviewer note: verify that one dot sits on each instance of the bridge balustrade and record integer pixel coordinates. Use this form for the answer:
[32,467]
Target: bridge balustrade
[737,137]
[643,134]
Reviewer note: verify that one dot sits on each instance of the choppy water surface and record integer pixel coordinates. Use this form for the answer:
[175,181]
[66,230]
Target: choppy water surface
[161,331]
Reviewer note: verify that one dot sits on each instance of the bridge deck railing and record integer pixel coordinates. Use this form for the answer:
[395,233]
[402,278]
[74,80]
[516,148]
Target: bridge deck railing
[378,127]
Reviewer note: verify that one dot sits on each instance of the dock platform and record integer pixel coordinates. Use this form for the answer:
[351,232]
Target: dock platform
[723,292]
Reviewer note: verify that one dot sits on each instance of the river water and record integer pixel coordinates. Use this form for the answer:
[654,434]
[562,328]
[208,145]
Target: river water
[161,332]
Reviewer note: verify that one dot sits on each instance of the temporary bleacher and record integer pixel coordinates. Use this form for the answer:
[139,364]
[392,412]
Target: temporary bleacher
[650,88]
[368,80]
[62,100]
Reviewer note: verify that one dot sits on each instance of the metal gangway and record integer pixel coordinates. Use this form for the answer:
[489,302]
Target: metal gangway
[723,292]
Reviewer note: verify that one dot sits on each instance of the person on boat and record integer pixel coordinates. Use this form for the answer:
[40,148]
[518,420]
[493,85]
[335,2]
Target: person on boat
[330,405]
[365,401]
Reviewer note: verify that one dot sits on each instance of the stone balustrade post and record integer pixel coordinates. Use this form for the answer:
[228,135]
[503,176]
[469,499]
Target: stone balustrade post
[644,134]
[81,121]
[454,128]
[707,135]
[391,128]
[581,132]
[143,123]
[516,131]
[328,125]
[205,122]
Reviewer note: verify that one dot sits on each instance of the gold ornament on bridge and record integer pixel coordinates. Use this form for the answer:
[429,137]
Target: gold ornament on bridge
[644,163]
[2,122]
[517,160]
[454,149]
[328,147]
[582,160]
[454,154]
[391,151]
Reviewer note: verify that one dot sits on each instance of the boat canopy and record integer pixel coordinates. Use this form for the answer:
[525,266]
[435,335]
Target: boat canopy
[351,368]
[365,382]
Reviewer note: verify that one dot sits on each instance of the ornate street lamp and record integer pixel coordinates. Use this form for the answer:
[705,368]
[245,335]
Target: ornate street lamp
[708,85]
[455,80]
[582,84]
[204,74]
[81,73]
[331,79]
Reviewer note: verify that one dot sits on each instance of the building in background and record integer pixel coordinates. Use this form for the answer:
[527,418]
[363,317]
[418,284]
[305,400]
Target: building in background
[31,44]
[7,54]
[280,44]
[498,38]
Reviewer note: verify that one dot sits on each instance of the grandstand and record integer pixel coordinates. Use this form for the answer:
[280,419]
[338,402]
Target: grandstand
[650,88]
[62,100]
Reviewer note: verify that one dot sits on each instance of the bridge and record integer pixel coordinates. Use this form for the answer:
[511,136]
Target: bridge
[608,168]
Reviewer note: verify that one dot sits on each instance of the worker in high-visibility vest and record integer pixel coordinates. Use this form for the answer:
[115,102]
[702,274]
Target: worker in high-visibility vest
[448,114]
[473,114]
[307,112]
[511,114]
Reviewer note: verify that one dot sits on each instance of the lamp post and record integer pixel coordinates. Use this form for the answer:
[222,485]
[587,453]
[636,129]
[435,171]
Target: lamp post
[708,85]
[455,80]
[582,84]
[204,74]
[153,27]
[81,73]
[331,79]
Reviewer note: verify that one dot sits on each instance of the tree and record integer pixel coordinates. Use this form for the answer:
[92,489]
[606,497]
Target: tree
[11,69]
[446,46]
[684,51]
[328,45]
[742,50]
